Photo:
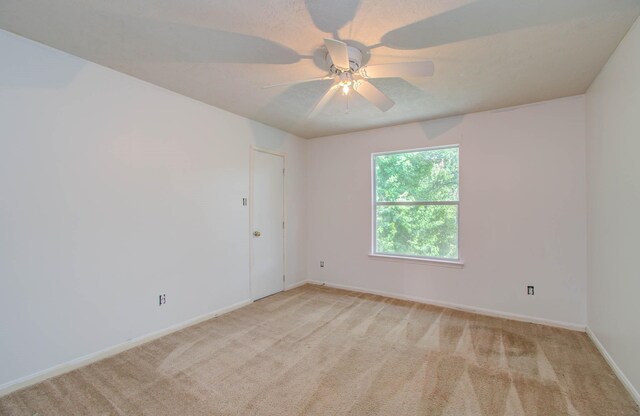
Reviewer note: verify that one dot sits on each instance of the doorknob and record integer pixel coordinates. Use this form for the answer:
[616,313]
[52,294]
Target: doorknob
[256,234]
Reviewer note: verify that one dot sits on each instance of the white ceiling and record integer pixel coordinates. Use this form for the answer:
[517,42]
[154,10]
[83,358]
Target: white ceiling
[488,53]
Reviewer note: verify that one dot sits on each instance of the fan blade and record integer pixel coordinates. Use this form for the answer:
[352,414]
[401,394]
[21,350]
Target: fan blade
[297,82]
[371,93]
[338,52]
[324,100]
[400,70]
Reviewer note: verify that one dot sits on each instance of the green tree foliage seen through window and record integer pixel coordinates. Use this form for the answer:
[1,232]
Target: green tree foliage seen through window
[417,203]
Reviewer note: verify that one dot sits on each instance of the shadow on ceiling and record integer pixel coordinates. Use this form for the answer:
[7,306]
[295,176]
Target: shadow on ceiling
[488,17]
[167,42]
[330,16]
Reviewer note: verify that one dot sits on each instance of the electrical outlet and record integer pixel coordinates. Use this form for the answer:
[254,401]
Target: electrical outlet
[162,299]
[322,264]
[529,290]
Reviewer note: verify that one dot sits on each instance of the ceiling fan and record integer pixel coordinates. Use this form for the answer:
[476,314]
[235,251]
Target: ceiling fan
[345,70]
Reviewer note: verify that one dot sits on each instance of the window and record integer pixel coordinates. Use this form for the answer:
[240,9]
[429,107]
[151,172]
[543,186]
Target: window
[416,203]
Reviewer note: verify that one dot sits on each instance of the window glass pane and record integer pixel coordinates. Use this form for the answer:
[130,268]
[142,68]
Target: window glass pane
[426,176]
[417,230]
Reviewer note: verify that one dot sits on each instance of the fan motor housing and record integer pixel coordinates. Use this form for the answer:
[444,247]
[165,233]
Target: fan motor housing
[355,60]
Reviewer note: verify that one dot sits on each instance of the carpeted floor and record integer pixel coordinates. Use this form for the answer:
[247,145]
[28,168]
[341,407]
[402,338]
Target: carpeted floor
[320,351]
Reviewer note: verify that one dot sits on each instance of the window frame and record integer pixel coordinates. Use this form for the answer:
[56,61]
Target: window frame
[374,217]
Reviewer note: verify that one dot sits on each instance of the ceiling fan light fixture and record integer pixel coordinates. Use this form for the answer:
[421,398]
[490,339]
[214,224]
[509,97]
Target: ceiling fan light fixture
[344,65]
[346,81]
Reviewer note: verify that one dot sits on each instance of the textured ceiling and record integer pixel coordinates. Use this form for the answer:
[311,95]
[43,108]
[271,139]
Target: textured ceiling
[488,53]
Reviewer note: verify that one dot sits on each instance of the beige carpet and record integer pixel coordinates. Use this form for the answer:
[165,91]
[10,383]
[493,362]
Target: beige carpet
[320,351]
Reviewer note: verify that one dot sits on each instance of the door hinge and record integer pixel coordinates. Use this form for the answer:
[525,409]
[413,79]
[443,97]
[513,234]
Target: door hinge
[283,171]
[282,224]
[283,278]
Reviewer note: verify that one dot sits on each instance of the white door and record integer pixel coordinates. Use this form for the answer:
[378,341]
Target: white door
[267,259]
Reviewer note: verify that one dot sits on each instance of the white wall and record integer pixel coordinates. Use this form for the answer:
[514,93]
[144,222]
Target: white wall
[613,171]
[523,211]
[113,191]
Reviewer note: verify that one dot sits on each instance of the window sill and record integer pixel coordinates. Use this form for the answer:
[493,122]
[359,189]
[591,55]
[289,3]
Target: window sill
[419,260]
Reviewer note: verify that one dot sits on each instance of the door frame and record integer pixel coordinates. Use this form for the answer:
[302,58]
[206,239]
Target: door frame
[253,149]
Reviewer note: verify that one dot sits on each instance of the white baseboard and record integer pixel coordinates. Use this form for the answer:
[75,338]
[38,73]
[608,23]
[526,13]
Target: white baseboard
[465,308]
[99,355]
[295,285]
[59,369]
[625,381]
